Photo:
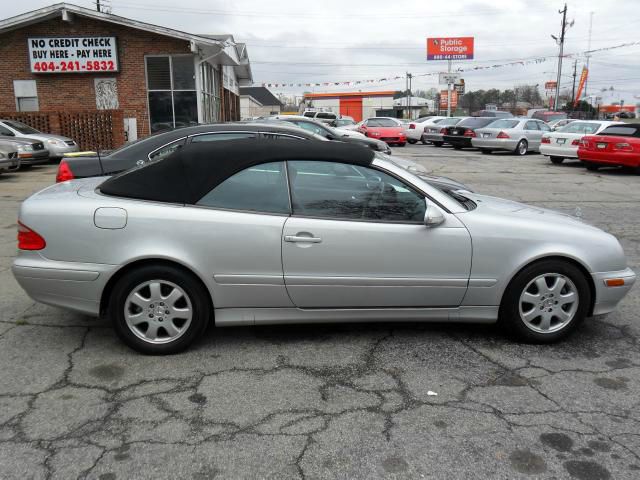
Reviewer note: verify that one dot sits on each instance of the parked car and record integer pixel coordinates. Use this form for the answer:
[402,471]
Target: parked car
[346,123]
[492,113]
[9,160]
[517,135]
[460,135]
[57,145]
[415,128]
[548,115]
[616,145]
[563,143]
[389,130]
[30,152]
[558,124]
[281,232]
[324,117]
[330,133]
[433,132]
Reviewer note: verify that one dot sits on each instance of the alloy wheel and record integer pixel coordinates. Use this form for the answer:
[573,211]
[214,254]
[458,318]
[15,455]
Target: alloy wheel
[522,148]
[548,303]
[158,311]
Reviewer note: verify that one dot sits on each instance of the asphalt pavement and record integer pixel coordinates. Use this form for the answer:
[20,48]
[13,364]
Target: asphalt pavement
[387,400]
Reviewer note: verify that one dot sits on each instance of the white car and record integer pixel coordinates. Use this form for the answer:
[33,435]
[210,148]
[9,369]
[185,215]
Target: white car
[416,127]
[563,143]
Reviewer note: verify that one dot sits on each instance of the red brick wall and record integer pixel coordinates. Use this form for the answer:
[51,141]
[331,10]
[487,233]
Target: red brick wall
[75,91]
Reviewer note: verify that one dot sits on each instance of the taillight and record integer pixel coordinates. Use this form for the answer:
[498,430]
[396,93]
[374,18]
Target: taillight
[28,239]
[469,133]
[502,135]
[575,142]
[412,126]
[64,172]
[443,131]
[545,140]
[624,147]
[584,142]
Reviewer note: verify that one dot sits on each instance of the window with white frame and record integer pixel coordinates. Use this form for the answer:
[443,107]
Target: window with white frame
[209,93]
[171,86]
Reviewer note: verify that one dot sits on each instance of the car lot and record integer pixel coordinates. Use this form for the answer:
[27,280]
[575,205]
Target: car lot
[349,401]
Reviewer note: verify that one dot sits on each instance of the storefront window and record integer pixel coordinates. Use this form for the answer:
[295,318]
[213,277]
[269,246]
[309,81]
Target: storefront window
[209,93]
[172,92]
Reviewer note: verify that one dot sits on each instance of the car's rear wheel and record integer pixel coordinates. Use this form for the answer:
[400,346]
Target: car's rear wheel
[412,141]
[486,151]
[545,302]
[521,148]
[438,144]
[424,142]
[556,160]
[159,309]
[592,166]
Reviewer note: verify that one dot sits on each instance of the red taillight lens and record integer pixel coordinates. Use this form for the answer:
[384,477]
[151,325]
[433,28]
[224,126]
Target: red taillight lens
[412,126]
[545,140]
[469,133]
[64,172]
[28,239]
[502,135]
[623,147]
[443,131]
[575,142]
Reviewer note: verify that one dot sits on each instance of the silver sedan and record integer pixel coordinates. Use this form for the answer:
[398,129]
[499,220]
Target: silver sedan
[517,135]
[255,232]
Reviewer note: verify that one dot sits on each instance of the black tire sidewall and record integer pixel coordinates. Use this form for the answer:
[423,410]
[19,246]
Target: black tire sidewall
[510,308]
[198,295]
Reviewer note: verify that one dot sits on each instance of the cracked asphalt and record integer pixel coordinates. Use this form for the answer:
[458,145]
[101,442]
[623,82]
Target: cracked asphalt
[332,402]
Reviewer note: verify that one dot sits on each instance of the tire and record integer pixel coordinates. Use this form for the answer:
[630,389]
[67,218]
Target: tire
[486,151]
[592,167]
[438,144]
[521,148]
[424,142]
[457,148]
[25,167]
[402,144]
[556,160]
[412,141]
[525,321]
[190,296]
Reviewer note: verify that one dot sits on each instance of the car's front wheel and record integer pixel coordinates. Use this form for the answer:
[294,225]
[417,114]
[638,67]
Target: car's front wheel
[159,309]
[412,141]
[545,302]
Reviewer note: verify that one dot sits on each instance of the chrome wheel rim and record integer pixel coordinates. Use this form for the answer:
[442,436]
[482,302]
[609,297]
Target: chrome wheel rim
[522,148]
[158,311]
[549,303]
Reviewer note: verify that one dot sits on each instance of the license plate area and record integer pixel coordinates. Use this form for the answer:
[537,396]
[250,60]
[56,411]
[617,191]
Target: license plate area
[561,141]
[486,135]
[601,146]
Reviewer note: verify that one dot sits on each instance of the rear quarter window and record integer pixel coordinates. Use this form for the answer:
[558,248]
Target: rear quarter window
[621,131]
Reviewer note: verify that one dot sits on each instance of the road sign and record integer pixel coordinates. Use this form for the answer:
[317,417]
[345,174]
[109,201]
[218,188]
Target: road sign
[459,87]
[448,78]
[550,85]
[444,94]
[450,48]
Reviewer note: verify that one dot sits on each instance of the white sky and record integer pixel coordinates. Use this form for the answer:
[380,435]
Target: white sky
[345,40]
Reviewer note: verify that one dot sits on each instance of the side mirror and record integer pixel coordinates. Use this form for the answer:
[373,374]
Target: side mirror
[433,216]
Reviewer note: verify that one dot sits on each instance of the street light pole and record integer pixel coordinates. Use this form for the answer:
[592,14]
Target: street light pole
[561,41]
[449,91]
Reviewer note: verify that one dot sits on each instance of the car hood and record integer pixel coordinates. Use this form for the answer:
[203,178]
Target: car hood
[19,140]
[47,136]
[510,208]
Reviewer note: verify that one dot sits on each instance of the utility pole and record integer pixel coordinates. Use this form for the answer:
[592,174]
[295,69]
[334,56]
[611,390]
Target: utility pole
[449,91]
[409,78]
[573,90]
[560,54]
[98,5]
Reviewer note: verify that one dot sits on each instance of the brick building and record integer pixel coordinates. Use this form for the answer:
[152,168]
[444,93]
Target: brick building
[80,72]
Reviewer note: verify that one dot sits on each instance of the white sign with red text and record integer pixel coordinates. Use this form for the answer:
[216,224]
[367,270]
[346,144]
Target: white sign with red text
[73,54]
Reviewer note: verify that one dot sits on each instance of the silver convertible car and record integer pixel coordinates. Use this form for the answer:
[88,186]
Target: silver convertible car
[254,232]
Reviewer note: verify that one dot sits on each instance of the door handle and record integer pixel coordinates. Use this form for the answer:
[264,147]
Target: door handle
[297,238]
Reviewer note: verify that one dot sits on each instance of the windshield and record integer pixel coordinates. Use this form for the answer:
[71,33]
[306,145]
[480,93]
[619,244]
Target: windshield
[449,121]
[382,122]
[622,131]
[580,127]
[342,123]
[504,124]
[21,127]
[309,114]
[476,122]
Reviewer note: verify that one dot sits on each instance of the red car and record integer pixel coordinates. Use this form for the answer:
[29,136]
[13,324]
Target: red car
[617,145]
[386,129]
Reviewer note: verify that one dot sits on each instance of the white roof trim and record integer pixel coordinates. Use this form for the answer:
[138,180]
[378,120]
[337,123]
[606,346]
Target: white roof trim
[52,11]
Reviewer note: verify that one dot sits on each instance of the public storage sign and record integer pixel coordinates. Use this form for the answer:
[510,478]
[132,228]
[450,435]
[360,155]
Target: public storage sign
[450,48]
[73,54]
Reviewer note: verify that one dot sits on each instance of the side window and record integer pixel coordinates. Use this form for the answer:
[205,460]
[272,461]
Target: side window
[544,127]
[214,137]
[279,136]
[349,192]
[262,188]
[5,131]
[531,126]
[167,150]
[312,128]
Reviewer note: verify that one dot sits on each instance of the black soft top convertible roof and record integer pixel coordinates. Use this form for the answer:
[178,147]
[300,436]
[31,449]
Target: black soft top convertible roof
[194,170]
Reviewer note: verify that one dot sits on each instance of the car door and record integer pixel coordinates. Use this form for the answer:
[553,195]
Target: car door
[239,228]
[357,239]
[534,135]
